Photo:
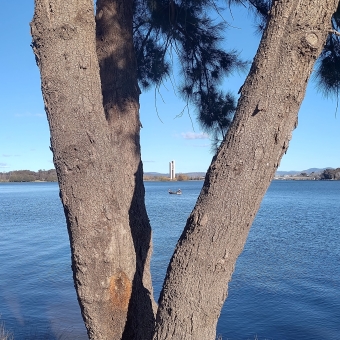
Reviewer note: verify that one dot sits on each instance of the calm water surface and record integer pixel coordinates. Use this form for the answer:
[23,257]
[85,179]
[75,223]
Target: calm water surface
[285,286]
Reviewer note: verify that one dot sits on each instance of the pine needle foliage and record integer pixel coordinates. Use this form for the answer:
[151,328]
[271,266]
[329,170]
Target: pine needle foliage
[328,67]
[188,34]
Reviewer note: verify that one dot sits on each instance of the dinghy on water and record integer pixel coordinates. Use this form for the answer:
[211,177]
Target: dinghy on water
[177,192]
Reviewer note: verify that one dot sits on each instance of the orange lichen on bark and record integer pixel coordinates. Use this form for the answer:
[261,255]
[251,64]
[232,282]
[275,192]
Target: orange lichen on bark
[120,291]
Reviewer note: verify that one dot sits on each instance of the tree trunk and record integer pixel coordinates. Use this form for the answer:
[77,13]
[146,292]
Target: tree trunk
[92,109]
[196,283]
[97,157]
[118,73]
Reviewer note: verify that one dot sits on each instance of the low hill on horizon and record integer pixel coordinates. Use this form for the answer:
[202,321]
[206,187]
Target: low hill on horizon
[51,176]
[294,172]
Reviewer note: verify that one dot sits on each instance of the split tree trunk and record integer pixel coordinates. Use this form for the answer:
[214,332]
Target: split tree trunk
[95,142]
[195,287]
[96,153]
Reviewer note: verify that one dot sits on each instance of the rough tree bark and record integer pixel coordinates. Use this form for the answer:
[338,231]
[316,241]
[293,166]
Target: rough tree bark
[201,267]
[118,73]
[96,150]
[91,98]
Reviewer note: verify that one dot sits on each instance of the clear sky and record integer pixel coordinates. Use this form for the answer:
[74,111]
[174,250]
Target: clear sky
[24,132]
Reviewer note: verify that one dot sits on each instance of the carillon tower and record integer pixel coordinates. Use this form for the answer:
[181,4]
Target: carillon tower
[172,170]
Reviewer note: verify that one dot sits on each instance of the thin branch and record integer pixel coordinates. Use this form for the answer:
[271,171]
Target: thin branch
[192,123]
[157,108]
[144,41]
[182,112]
[337,101]
[138,26]
[334,32]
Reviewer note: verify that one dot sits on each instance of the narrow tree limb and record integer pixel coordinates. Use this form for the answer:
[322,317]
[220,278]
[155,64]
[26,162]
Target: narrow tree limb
[196,283]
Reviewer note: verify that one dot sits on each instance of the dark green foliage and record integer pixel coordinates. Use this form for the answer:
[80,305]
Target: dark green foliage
[330,174]
[216,115]
[150,49]
[152,68]
[328,67]
[185,31]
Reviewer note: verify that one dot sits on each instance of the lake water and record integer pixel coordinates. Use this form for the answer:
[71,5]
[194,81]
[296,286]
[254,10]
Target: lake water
[286,283]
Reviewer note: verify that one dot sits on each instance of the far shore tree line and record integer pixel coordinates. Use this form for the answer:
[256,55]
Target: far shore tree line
[327,174]
[29,176]
[51,176]
[179,178]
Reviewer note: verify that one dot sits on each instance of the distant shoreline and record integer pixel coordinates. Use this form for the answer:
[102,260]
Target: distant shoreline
[51,176]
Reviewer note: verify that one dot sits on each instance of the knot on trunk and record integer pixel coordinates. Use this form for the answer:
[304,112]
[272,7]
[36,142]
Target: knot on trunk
[67,31]
[312,39]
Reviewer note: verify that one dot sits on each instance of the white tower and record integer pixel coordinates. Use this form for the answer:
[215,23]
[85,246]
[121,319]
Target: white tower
[172,170]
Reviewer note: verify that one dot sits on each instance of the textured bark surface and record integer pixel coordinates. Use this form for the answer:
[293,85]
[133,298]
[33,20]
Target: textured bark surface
[196,283]
[90,91]
[118,72]
[97,157]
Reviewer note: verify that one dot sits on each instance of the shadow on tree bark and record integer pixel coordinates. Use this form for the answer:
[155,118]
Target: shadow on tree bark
[140,317]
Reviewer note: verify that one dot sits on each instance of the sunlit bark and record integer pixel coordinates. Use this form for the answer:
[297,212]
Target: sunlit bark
[197,278]
[90,90]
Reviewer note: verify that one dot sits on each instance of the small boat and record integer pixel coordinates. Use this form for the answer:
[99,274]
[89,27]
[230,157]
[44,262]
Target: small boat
[177,192]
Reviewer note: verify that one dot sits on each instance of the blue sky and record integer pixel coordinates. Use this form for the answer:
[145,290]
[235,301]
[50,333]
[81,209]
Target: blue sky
[24,132]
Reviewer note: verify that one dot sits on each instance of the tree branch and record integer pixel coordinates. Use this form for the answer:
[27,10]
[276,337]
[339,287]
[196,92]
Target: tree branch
[334,32]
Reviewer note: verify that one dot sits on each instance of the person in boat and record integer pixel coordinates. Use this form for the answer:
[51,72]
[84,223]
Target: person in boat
[175,192]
